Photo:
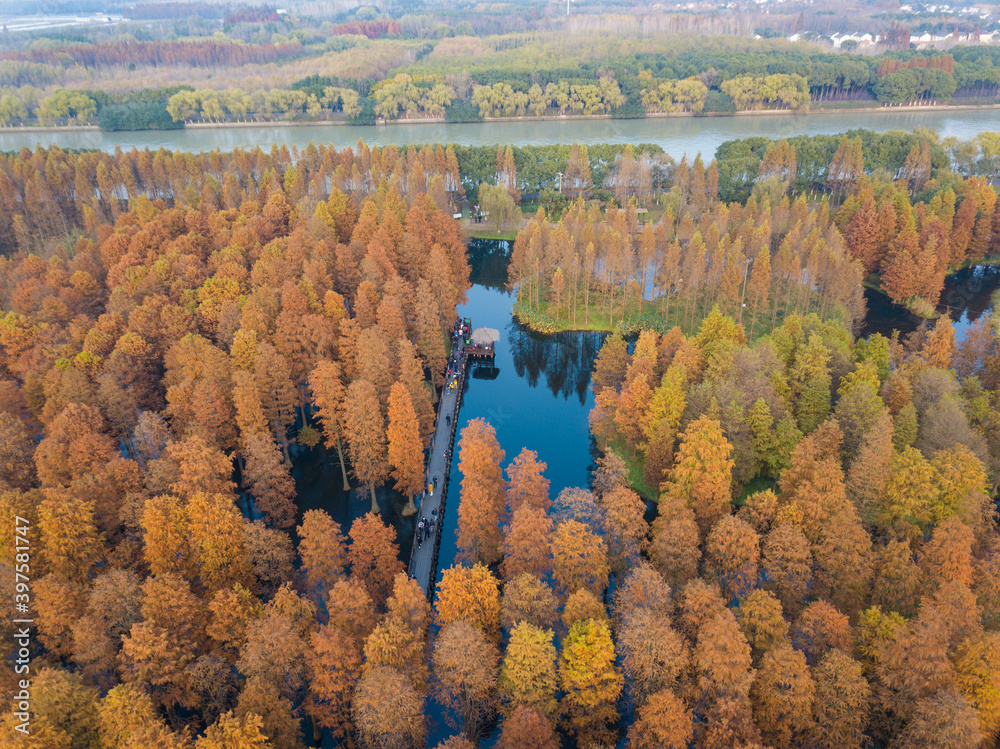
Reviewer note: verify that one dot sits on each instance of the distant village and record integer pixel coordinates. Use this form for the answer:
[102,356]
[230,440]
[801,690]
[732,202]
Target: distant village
[857,40]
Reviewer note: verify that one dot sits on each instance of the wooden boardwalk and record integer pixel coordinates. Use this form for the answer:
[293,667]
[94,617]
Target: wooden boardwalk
[424,556]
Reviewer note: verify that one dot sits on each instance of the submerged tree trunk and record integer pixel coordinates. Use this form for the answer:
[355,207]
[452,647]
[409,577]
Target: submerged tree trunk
[411,509]
[343,466]
[374,502]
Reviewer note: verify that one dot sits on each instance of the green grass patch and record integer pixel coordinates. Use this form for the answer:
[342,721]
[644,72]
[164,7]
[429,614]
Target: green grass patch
[490,233]
[636,464]
[754,485]
[548,318]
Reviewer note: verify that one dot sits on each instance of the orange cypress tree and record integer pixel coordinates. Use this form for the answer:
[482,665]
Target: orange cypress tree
[862,235]
[270,481]
[722,657]
[633,405]
[841,702]
[482,502]
[590,681]
[528,599]
[939,348]
[625,526]
[788,566]
[374,556]
[664,722]
[321,548]
[732,552]
[405,454]
[579,559]
[328,395]
[466,665]
[365,429]
[961,231]
[899,272]
[527,728]
[527,483]
[528,674]
[470,594]
[333,665]
[526,543]
[411,374]
[930,275]
[782,696]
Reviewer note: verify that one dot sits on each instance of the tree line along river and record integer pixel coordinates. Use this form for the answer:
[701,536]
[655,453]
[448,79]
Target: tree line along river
[676,135]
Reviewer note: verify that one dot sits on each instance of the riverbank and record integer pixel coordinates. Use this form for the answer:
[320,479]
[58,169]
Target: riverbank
[237,125]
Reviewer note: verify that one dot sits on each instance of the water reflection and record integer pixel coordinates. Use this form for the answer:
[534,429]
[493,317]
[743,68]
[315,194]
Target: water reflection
[565,359]
[489,259]
[967,295]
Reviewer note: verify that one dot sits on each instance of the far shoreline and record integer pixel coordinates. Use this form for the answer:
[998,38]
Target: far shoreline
[493,120]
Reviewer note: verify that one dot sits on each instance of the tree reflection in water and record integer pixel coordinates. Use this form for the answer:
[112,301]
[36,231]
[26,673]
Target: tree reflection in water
[489,259]
[565,359]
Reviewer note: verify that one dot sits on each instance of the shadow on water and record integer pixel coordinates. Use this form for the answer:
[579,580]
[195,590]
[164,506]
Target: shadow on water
[319,485]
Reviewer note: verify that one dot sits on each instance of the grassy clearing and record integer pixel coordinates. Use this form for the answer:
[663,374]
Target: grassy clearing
[758,484]
[548,318]
[636,463]
[489,233]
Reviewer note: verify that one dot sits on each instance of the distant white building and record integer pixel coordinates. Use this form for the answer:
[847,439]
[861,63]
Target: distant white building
[859,39]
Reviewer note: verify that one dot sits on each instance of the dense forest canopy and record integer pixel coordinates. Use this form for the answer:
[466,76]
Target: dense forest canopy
[167,343]
[365,70]
[822,567]
[746,231]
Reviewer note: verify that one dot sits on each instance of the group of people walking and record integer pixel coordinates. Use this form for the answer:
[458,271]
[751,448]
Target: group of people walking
[425,527]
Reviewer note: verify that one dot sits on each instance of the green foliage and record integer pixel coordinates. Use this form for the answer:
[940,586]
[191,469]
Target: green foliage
[462,111]
[717,102]
[738,160]
[136,117]
[630,110]
[918,84]
[537,166]
[367,114]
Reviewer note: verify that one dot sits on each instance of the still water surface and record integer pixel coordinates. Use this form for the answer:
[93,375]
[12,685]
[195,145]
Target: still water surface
[677,135]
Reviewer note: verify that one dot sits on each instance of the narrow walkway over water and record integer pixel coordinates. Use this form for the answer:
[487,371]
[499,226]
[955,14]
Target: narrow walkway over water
[427,538]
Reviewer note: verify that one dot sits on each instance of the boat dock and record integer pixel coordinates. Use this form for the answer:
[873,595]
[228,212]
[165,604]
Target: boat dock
[424,555]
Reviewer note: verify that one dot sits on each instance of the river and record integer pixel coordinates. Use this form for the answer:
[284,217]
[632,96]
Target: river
[677,135]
